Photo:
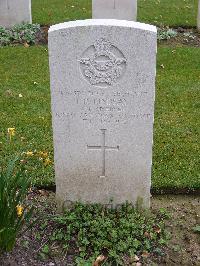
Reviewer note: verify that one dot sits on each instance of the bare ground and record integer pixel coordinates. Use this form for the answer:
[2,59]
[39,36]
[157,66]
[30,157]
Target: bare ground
[185,37]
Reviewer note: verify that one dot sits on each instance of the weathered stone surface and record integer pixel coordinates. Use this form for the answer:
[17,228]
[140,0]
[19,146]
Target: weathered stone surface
[198,17]
[114,9]
[102,87]
[15,12]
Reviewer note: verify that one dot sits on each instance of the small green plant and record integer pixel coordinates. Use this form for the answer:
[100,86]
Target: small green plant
[166,34]
[13,209]
[22,33]
[189,35]
[115,234]
[196,229]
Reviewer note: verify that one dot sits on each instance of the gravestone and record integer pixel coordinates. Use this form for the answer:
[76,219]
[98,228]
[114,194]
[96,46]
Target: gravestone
[114,9]
[102,91]
[14,12]
[198,17]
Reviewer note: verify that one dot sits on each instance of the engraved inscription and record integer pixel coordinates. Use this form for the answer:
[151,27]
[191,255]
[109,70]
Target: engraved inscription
[97,106]
[102,64]
[103,149]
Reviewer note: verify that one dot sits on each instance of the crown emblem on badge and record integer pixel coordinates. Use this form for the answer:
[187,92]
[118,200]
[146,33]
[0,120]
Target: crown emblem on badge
[102,45]
[102,63]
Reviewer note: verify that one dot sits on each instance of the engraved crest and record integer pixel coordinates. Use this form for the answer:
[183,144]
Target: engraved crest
[102,64]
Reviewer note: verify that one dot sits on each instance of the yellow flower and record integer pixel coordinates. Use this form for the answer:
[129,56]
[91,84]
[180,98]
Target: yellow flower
[20,210]
[43,154]
[29,153]
[11,132]
[47,161]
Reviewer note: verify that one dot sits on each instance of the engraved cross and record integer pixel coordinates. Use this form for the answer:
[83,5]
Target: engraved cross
[103,149]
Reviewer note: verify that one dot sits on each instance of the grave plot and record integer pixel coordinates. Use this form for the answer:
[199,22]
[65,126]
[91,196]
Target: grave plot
[102,85]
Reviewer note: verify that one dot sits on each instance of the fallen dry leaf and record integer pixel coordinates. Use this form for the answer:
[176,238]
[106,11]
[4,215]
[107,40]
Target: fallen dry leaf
[146,234]
[145,254]
[8,93]
[23,161]
[99,260]
[26,45]
[43,192]
[157,229]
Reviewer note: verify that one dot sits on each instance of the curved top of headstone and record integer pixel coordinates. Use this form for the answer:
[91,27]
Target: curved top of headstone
[103,22]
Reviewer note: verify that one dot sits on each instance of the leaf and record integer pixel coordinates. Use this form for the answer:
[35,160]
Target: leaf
[145,254]
[196,229]
[157,229]
[43,192]
[45,249]
[146,234]
[26,45]
[99,260]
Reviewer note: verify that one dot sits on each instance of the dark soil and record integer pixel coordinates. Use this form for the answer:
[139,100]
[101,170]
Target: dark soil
[182,249]
[42,36]
[184,246]
[185,37]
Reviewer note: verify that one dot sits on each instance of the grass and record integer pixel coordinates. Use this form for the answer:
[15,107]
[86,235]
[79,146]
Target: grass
[168,12]
[158,12]
[177,126]
[56,11]
[30,115]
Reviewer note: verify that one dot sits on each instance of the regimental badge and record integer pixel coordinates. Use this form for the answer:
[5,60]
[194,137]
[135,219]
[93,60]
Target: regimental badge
[102,64]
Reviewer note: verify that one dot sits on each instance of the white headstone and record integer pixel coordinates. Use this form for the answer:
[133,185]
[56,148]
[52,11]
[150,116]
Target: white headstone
[14,12]
[198,17]
[102,87]
[114,9]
